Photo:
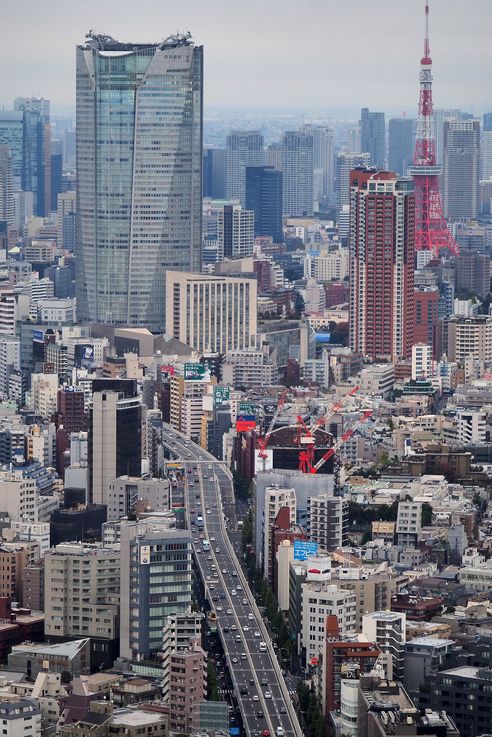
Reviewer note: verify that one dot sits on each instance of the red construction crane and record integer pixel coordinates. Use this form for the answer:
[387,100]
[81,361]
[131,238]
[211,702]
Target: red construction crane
[306,457]
[262,440]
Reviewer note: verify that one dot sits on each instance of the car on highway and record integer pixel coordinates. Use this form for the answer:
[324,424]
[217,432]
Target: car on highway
[224,570]
[280,732]
[264,682]
[251,615]
[265,733]
[268,695]
[233,628]
[283,710]
[233,592]
[260,714]
[245,601]
[235,660]
[255,697]
[246,629]
[243,691]
[217,550]
[229,611]
[238,638]
[234,574]
[257,634]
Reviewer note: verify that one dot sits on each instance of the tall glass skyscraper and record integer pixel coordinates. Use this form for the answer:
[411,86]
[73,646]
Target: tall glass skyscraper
[139,175]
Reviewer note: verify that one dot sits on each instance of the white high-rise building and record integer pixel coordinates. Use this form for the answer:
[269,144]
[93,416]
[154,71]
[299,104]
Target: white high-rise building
[211,313]
[408,523]
[228,231]
[276,498]
[298,151]
[322,158]
[388,630]
[422,363]
[7,208]
[319,600]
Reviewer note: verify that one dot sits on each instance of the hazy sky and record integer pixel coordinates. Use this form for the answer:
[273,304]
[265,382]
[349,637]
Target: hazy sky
[334,54]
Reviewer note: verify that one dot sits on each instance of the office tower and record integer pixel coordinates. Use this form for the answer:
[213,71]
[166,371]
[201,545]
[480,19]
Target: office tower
[323,159]
[211,313]
[486,148]
[125,491]
[7,208]
[400,144]
[115,447]
[71,409]
[344,164]
[264,198]
[156,577]
[426,310]
[473,273]
[36,151]
[439,115]
[66,208]
[431,232]
[228,231]
[461,169]
[382,217]
[373,136]
[12,135]
[275,156]
[328,521]
[188,686]
[56,173]
[82,596]
[139,184]
[23,209]
[243,148]
[214,173]
[387,630]
[298,174]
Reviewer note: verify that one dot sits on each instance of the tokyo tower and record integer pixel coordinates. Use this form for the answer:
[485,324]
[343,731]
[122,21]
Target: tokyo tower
[431,232]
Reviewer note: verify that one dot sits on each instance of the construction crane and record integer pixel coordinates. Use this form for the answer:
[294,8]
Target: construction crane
[306,457]
[262,440]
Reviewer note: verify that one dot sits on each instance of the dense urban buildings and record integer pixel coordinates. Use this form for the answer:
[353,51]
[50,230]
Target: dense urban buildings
[245,390]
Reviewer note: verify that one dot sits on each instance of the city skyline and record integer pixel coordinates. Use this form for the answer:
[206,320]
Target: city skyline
[351,78]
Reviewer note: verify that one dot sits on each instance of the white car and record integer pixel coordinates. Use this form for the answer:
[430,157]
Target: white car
[250,615]
[233,628]
[246,629]
[245,601]
[257,634]
[280,732]
[256,698]
[268,695]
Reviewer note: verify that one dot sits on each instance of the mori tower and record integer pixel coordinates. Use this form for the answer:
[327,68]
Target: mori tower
[139,175]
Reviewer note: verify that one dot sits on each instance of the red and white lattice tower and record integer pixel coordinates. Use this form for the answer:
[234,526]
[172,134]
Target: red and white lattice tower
[431,232]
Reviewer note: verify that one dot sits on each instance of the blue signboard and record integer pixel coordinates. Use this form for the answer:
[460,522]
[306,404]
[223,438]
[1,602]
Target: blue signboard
[234,731]
[38,335]
[304,549]
[322,337]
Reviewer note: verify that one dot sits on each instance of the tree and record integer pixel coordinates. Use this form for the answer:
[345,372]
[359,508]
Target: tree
[426,514]
[212,687]
[299,305]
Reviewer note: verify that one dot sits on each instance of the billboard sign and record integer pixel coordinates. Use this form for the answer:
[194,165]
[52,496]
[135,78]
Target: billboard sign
[145,555]
[245,423]
[166,370]
[263,464]
[304,549]
[246,408]
[83,355]
[221,395]
[38,336]
[195,372]
[322,337]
